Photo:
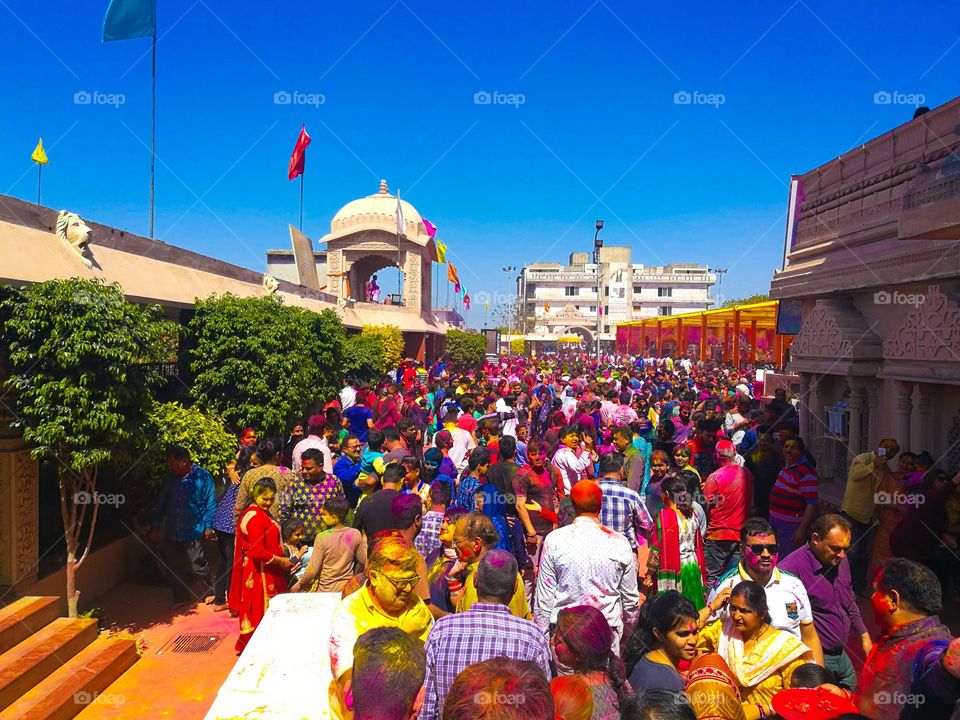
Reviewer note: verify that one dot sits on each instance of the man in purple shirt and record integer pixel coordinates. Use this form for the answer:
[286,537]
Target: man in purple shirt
[824,569]
[487,630]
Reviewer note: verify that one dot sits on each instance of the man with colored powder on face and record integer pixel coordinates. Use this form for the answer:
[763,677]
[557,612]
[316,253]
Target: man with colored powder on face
[787,598]
[585,563]
[913,670]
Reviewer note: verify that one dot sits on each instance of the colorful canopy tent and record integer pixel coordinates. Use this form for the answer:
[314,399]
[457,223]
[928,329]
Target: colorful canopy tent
[710,334]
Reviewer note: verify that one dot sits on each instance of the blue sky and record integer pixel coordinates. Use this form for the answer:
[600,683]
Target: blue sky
[775,88]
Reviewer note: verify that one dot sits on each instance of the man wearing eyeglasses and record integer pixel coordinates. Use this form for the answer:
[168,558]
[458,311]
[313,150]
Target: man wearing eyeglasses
[787,599]
[387,599]
[823,567]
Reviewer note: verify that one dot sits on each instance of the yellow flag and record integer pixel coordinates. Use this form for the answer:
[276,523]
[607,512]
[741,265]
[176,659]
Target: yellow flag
[441,252]
[486,304]
[40,155]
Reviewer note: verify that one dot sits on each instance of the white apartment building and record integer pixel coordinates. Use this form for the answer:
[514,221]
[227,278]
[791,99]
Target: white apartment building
[561,300]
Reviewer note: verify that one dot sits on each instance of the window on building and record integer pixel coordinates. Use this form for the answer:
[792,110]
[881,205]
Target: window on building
[606,291]
[570,290]
[666,310]
[593,308]
[665,292]
[637,290]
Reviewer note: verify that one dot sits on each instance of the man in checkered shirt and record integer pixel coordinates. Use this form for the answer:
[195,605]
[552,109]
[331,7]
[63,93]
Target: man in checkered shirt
[622,509]
[487,630]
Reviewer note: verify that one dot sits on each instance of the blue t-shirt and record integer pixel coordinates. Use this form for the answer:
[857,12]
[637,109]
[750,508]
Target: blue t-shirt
[357,416]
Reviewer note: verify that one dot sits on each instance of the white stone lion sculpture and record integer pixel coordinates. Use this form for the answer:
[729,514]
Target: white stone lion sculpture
[75,233]
[270,284]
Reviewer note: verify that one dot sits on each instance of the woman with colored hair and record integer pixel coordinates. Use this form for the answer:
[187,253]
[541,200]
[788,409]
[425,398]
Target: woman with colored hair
[582,643]
[760,657]
[259,569]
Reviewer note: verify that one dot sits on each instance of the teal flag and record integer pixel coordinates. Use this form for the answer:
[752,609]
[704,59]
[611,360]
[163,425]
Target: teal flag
[126,19]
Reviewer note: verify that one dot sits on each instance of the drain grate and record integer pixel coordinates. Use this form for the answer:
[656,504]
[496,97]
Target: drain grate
[195,642]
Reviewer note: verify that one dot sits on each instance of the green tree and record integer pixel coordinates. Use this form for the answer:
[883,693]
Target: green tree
[259,362]
[363,358]
[465,349]
[391,339]
[760,297]
[210,444]
[78,355]
[518,346]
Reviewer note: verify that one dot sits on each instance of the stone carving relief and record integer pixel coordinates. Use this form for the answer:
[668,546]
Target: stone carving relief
[953,442]
[75,233]
[26,477]
[820,335]
[930,332]
[835,329]
[570,312]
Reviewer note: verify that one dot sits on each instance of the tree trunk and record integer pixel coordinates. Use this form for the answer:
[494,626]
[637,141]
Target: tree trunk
[75,501]
[72,595]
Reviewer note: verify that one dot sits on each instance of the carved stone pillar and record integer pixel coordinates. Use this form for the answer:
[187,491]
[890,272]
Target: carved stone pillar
[873,414]
[924,407]
[19,516]
[803,405]
[336,285]
[856,404]
[904,412]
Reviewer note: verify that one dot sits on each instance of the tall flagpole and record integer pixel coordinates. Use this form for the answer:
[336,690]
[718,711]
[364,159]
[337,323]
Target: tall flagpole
[153,123]
[39,169]
[399,269]
[301,201]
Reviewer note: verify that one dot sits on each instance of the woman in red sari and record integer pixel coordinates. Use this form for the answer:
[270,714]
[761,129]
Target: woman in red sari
[260,570]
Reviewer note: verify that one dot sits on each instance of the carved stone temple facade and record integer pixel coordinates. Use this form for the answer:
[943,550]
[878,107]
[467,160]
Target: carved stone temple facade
[875,260]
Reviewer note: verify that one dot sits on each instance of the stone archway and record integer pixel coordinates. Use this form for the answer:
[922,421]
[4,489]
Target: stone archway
[363,238]
[366,267]
[583,332]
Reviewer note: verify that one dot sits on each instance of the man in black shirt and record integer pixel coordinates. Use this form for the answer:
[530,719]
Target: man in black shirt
[375,513]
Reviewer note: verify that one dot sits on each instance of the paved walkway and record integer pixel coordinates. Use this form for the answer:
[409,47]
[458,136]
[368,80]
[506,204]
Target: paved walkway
[164,683]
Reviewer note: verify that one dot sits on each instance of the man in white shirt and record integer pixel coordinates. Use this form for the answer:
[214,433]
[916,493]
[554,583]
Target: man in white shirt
[573,462]
[463,441]
[787,599]
[585,563]
[317,437]
[348,396]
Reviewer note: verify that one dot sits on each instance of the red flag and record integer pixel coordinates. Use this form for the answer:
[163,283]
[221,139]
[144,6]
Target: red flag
[466,302]
[299,154]
[430,228]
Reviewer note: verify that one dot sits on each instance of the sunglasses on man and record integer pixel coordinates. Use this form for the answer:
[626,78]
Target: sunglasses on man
[758,548]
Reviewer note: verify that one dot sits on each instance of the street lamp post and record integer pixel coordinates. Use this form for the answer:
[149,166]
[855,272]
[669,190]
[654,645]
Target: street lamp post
[509,270]
[597,244]
[719,272]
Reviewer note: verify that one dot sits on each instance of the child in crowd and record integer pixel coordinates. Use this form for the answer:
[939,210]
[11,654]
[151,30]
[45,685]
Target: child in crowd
[441,494]
[339,552]
[291,532]
[372,464]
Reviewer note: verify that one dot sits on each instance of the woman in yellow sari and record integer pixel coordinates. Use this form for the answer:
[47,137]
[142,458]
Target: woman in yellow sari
[761,658]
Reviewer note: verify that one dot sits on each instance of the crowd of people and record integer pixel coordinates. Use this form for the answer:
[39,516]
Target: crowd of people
[560,538]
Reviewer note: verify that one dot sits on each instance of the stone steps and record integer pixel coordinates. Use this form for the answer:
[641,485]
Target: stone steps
[30,661]
[23,617]
[53,667]
[81,681]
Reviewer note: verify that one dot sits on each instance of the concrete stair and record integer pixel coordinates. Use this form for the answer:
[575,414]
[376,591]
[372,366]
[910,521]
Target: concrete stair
[52,667]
